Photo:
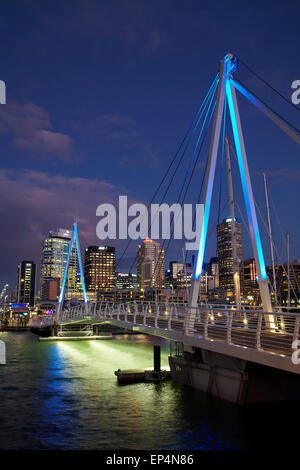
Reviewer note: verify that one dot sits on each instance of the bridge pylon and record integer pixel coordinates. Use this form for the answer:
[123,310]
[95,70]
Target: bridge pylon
[226,91]
[73,240]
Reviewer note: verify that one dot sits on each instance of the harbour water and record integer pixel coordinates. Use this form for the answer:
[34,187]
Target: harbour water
[65,396]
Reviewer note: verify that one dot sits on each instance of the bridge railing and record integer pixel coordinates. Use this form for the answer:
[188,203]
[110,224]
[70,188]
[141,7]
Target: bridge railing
[245,327]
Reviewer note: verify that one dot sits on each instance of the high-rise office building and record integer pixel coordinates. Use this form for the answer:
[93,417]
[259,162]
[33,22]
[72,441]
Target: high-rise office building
[151,265]
[55,249]
[175,267]
[214,270]
[184,281]
[250,284]
[100,268]
[26,283]
[225,253]
[127,281]
[184,277]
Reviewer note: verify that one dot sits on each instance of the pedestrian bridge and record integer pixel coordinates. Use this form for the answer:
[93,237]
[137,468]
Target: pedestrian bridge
[244,333]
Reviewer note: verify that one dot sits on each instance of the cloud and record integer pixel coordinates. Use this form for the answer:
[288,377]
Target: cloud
[33,202]
[23,119]
[46,142]
[117,120]
[118,128]
[121,129]
[30,128]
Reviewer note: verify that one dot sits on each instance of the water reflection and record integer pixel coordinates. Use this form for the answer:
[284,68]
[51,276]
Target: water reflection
[65,396]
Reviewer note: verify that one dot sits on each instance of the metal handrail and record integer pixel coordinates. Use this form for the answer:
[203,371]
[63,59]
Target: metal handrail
[238,327]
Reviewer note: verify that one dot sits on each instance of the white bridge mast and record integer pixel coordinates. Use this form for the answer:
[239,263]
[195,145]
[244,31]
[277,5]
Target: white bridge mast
[225,89]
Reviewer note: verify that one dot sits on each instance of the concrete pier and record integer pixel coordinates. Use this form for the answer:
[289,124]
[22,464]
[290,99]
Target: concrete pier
[157,374]
[141,375]
[233,379]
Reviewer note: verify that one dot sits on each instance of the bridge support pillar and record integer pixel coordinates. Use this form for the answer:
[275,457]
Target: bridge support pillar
[156,353]
[96,330]
[233,379]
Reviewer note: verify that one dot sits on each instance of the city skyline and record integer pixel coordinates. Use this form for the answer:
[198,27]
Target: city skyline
[101,276]
[85,141]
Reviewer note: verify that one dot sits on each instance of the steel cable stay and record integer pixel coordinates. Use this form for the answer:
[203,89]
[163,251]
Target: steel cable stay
[203,135]
[220,211]
[179,163]
[283,237]
[202,180]
[243,218]
[192,128]
[171,181]
[268,85]
[190,179]
[266,230]
[273,115]
[274,246]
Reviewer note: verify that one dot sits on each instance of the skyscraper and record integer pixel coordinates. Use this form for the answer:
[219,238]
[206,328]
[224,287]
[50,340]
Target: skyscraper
[26,283]
[127,281]
[175,267]
[55,250]
[151,264]
[100,268]
[214,270]
[225,253]
[250,284]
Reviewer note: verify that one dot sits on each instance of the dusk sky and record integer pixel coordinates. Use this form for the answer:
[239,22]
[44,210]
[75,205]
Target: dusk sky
[100,94]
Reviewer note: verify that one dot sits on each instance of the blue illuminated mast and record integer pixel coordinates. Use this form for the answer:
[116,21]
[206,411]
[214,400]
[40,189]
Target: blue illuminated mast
[226,91]
[63,286]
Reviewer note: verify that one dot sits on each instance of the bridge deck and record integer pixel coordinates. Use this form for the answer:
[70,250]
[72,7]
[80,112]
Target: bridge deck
[238,333]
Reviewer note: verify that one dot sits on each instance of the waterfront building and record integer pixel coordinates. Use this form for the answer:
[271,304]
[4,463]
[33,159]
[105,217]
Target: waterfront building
[51,289]
[151,265]
[168,280]
[55,249]
[175,267]
[26,283]
[225,254]
[184,277]
[250,287]
[100,268]
[126,281]
[213,270]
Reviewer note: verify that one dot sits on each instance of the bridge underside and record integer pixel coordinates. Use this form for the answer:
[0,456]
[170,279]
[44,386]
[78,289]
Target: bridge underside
[266,358]
[236,380]
[236,374]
